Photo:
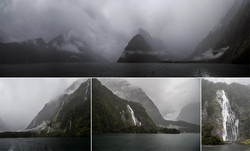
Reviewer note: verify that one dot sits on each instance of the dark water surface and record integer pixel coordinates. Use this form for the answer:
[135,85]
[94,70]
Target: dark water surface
[45,144]
[229,147]
[126,70]
[146,142]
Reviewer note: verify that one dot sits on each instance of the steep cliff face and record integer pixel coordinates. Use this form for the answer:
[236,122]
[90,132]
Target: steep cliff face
[225,111]
[228,42]
[113,114]
[132,93]
[67,115]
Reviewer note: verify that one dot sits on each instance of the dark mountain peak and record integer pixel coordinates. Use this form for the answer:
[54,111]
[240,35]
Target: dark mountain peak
[145,48]
[138,50]
[138,43]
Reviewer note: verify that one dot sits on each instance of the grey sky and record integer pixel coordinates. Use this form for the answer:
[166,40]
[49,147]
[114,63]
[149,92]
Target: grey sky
[108,25]
[170,95]
[243,81]
[22,99]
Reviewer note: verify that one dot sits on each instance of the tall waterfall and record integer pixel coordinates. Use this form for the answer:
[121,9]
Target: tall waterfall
[230,123]
[135,121]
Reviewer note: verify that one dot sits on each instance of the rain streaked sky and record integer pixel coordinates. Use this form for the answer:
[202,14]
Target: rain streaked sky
[170,95]
[108,25]
[21,99]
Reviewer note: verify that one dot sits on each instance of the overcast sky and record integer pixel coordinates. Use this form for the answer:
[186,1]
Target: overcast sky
[170,95]
[108,25]
[243,81]
[22,99]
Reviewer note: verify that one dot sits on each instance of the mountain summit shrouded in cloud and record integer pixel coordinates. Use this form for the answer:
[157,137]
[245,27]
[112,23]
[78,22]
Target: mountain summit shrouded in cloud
[107,26]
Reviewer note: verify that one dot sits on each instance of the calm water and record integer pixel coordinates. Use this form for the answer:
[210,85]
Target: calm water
[127,70]
[146,142]
[229,147]
[44,144]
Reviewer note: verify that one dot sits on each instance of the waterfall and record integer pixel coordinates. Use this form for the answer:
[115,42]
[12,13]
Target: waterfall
[135,121]
[230,123]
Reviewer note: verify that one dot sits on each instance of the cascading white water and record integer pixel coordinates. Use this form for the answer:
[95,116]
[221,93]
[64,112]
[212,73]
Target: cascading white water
[132,114]
[230,123]
[135,121]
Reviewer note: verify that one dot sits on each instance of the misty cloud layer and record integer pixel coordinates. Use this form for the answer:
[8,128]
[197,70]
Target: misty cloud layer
[243,81]
[170,95]
[22,99]
[108,25]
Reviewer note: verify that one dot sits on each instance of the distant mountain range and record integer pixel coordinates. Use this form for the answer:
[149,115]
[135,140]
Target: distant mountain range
[131,93]
[66,115]
[228,42]
[63,48]
[190,113]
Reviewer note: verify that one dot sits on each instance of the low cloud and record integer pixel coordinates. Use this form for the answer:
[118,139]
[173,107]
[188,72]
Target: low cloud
[108,25]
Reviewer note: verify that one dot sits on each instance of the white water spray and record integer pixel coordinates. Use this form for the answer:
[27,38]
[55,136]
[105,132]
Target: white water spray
[230,123]
[135,121]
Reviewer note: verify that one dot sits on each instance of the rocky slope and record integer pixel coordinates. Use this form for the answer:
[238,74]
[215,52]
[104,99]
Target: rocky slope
[128,92]
[66,115]
[225,111]
[113,114]
[228,42]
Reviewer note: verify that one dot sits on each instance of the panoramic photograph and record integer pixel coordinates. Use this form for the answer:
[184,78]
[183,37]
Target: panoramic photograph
[225,114]
[116,38]
[146,114]
[45,114]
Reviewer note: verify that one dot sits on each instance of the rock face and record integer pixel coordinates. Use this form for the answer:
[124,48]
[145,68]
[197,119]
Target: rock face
[113,114]
[63,48]
[131,93]
[228,42]
[225,110]
[67,115]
